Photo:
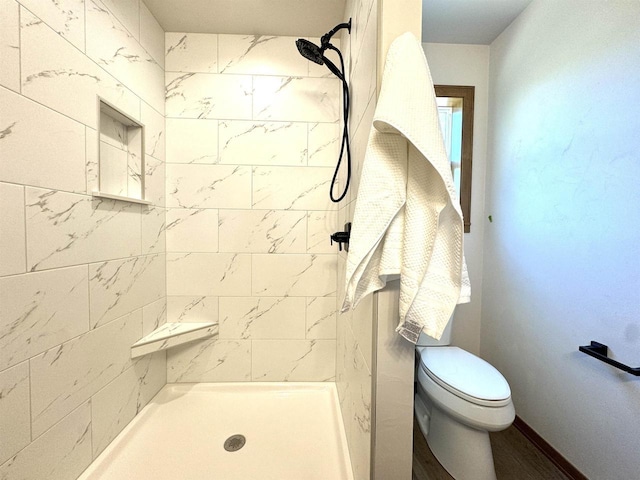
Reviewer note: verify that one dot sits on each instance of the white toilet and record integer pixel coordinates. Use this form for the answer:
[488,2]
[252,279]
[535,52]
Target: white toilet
[460,398]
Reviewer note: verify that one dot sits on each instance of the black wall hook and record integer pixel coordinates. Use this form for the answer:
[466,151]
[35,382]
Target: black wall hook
[342,237]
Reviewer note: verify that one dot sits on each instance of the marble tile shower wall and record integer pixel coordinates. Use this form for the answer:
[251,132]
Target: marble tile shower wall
[355,328]
[81,279]
[252,133]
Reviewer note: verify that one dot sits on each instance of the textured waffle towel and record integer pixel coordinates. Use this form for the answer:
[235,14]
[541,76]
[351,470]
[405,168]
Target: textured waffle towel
[407,219]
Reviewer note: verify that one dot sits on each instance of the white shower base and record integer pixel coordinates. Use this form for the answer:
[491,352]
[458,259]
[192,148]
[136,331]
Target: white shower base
[293,431]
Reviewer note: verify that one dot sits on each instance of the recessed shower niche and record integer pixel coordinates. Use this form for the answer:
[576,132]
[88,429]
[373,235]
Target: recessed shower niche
[120,155]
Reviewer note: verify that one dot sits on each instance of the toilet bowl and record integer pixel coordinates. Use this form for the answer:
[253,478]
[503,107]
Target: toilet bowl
[459,399]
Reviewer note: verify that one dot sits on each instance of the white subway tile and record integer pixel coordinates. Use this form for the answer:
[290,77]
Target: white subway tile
[117,50]
[293,275]
[62,452]
[114,170]
[154,132]
[363,72]
[121,286]
[324,144]
[321,317]
[154,181]
[357,404]
[154,315]
[191,52]
[201,309]
[281,143]
[67,375]
[127,12]
[153,230]
[78,229]
[208,95]
[15,419]
[206,274]
[40,147]
[296,99]
[321,226]
[210,361]
[361,328]
[10,45]
[292,188]
[208,186]
[134,175]
[13,256]
[56,74]
[262,318]
[262,231]
[65,17]
[113,131]
[91,159]
[192,141]
[151,35]
[260,55]
[192,230]
[359,142]
[41,310]
[293,360]
[113,407]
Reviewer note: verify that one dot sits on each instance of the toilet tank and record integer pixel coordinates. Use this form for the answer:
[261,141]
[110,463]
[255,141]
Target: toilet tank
[427,341]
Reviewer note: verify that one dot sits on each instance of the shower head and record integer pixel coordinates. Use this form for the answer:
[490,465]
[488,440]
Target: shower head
[310,51]
[315,53]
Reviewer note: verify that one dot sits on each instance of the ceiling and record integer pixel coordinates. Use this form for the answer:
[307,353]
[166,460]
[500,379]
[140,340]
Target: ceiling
[310,18]
[468,21]
[443,21]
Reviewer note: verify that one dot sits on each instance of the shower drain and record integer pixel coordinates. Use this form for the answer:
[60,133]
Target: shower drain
[234,443]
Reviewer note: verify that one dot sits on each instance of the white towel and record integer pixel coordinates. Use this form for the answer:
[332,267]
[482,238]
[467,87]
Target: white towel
[407,219]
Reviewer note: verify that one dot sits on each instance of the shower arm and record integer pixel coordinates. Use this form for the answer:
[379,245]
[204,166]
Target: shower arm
[324,40]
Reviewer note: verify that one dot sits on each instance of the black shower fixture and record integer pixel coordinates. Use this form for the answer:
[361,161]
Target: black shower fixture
[315,53]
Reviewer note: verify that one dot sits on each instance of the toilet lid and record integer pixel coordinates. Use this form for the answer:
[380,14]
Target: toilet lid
[460,370]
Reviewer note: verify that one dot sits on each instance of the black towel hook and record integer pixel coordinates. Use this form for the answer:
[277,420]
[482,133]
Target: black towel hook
[599,351]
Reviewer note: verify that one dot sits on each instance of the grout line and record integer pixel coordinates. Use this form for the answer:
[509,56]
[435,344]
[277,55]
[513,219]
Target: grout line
[90,400]
[89,298]
[24,217]
[30,403]
[75,265]
[85,39]
[20,52]
[140,31]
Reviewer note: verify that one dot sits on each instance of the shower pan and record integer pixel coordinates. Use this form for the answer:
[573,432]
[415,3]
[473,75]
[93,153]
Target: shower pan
[232,431]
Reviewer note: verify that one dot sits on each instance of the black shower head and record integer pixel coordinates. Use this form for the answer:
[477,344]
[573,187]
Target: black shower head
[310,51]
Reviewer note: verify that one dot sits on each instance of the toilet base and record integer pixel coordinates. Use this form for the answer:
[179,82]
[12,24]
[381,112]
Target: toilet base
[463,451]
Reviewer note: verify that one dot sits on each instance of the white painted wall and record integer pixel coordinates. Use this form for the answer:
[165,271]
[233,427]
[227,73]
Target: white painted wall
[468,65]
[561,256]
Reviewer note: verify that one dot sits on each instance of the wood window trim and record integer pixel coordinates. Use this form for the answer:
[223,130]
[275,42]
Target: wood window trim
[467,93]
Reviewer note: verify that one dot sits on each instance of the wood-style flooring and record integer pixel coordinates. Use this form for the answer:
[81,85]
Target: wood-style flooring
[514,456]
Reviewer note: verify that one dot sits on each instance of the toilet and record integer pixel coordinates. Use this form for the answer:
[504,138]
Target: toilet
[459,399]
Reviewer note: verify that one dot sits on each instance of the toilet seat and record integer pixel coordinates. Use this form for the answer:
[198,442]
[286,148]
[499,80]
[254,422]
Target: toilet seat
[466,376]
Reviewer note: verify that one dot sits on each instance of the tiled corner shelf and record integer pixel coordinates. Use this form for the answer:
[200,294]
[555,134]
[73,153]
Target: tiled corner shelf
[172,334]
[120,197]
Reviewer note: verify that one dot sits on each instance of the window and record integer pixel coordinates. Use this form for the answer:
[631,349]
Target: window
[455,109]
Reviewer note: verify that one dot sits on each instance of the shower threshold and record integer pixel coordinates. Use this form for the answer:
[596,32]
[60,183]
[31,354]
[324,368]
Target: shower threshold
[232,431]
